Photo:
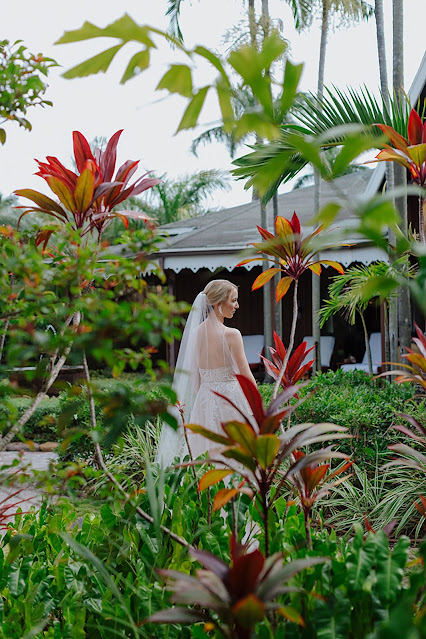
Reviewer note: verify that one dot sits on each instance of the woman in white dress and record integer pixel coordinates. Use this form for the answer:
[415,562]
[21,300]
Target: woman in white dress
[209,357]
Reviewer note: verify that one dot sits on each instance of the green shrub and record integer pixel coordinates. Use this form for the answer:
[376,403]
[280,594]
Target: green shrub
[42,425]
[367,407]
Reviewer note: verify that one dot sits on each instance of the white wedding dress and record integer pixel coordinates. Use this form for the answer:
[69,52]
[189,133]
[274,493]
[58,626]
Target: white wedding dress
[205,365]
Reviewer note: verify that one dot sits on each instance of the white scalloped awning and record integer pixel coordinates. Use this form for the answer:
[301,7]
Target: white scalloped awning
[212,261]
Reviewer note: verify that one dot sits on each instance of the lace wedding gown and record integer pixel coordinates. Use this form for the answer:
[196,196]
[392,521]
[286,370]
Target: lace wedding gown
[205,364]
[210,411]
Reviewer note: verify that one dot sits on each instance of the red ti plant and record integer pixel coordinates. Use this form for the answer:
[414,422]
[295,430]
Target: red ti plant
[312,483]
[88,198]
[295,369]
[415,372]
[232,598]
[410,153]
[259,452]
[294,255]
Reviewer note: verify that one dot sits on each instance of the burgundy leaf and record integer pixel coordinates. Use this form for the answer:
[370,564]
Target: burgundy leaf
[108,157]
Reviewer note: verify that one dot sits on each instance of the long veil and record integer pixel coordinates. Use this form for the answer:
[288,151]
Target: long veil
[203,346]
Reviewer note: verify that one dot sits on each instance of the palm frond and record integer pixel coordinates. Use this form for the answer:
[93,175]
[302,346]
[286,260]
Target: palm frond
[275,163]
[173,11]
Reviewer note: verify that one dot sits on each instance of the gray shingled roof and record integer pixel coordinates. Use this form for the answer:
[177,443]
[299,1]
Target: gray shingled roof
[236,227]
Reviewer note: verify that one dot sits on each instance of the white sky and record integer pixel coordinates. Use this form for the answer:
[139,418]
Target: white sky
[99,105]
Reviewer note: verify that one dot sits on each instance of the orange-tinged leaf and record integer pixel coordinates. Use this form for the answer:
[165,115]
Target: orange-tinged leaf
[251,259]
[397,140]
[417,153]
[282,287]
[283,227]
[418,360]
[63,193]
[41,200]
[264,277]
[291,614]
[267,447]
[212,477]
[315,476]
[335,265]
[315,268]
[389,155]
[223,496]
[249,611]
[84,190]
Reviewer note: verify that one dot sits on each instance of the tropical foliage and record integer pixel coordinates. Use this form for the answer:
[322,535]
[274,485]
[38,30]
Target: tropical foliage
[22,84]
[87,199]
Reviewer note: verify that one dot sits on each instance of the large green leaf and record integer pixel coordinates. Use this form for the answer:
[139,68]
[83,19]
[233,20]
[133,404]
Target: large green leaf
[125,28]
[291,82]
[138,63]
[390,567]
[99,63]
[361,560]
[178,79]
[190,117]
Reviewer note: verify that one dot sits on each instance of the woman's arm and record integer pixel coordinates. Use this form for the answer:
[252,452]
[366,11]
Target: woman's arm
[236,345]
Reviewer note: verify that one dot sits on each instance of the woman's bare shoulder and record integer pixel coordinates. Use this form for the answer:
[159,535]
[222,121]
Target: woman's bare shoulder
[233,334]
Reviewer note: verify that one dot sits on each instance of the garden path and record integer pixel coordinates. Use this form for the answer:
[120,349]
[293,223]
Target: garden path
[30,493]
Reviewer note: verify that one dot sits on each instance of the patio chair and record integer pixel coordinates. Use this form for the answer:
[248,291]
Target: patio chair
[327,346]
[253,348]
[376,356]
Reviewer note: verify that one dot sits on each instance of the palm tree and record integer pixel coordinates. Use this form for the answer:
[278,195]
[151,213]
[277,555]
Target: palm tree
[352,293]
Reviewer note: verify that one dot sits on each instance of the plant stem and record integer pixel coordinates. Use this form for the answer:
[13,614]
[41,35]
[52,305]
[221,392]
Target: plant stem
[56,369]
[291,342]
[307,529]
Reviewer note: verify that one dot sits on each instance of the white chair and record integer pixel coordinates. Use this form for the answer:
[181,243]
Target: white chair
[376,356]
[253,347]
[327,346]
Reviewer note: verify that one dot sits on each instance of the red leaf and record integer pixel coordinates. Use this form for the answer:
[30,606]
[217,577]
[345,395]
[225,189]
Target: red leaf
[82,150]
[295,224]
[108,157]
[415,128]
[244,573]
[253,397]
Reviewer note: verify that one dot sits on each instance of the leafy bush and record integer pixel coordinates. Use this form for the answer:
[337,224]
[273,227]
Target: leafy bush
[367,407]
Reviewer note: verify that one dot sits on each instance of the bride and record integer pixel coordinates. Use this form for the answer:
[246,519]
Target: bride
[209,356]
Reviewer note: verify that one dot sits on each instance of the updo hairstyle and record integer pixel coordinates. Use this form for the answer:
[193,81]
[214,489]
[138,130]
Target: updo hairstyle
[218,291]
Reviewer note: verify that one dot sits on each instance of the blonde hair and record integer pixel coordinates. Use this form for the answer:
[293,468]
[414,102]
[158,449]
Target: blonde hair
[218,291]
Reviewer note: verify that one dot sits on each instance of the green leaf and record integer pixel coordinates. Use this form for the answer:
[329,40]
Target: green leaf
[137,64]
[360,562]
[2,136]
[390,567]
[178,79]
[255,123]
[124,28]
[108,517]
[99,63]
[266,449]
[352,147]
[190,117]
[291,82]
[328,214]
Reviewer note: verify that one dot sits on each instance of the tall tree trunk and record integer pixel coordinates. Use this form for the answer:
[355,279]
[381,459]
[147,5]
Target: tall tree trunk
[278,305]
[316,281]
[381,51]
[400,174]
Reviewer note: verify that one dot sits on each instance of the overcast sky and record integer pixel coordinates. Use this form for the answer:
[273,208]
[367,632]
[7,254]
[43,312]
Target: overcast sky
[99,105]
